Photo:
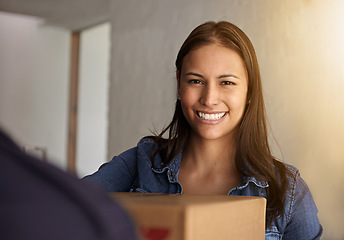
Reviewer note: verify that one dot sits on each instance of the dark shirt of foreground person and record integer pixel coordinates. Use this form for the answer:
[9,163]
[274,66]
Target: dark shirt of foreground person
[39,201]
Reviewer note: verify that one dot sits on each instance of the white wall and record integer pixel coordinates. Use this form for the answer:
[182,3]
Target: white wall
[34,74]
[34,89]
[92,123]
[299,46]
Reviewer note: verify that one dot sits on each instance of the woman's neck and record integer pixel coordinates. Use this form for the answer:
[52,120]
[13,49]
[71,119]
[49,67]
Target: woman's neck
[210,154]
[208,167]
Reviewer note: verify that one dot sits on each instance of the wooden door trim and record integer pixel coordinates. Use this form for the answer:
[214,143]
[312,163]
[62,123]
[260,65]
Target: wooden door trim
[73,102]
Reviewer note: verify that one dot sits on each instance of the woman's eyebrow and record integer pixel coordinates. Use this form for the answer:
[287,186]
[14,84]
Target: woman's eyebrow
[228,75]
[194,74]
[219,77]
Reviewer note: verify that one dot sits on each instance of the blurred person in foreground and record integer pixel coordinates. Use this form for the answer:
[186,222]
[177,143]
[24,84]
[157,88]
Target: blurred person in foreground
[39,201]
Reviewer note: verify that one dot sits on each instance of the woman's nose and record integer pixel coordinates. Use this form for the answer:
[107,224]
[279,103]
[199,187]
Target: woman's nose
[210,96]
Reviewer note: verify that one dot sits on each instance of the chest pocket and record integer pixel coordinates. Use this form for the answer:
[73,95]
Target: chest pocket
[272,234]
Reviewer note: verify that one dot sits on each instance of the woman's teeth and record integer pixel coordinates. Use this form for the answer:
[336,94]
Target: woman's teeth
[207,116]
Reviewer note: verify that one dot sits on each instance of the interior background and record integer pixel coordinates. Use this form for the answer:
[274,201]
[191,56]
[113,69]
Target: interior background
[299,45]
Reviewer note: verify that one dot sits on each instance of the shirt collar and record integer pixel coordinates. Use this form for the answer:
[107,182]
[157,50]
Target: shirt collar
[246,180]
[172,166]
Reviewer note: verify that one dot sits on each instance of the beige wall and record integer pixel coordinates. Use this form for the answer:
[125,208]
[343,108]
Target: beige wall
[300,48]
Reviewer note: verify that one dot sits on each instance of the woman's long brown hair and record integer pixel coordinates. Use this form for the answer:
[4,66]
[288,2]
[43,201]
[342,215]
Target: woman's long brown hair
[253,156]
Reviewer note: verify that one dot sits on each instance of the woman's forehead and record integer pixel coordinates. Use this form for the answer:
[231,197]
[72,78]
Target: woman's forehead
[213,58]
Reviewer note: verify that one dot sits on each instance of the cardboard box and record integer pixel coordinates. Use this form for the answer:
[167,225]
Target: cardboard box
[191,217]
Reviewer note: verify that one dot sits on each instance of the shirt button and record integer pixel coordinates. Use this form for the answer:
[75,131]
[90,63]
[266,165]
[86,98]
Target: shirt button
[171,174]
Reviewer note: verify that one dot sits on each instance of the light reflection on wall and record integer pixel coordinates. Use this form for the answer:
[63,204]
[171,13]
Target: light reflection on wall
[303,78]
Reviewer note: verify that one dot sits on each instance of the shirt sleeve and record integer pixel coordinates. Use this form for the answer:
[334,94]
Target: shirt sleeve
[118,174]
[303,222]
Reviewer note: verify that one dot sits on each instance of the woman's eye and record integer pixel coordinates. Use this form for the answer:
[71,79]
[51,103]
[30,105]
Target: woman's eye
[227,83]
[195,81]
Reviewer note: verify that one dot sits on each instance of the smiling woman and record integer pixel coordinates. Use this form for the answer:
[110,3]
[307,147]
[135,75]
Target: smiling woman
[212,87]
[217,140]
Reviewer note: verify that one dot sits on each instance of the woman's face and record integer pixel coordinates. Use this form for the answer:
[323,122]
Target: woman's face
[212,89]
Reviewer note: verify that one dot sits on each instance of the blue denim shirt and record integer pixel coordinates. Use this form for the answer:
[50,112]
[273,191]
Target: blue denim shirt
[132,171]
